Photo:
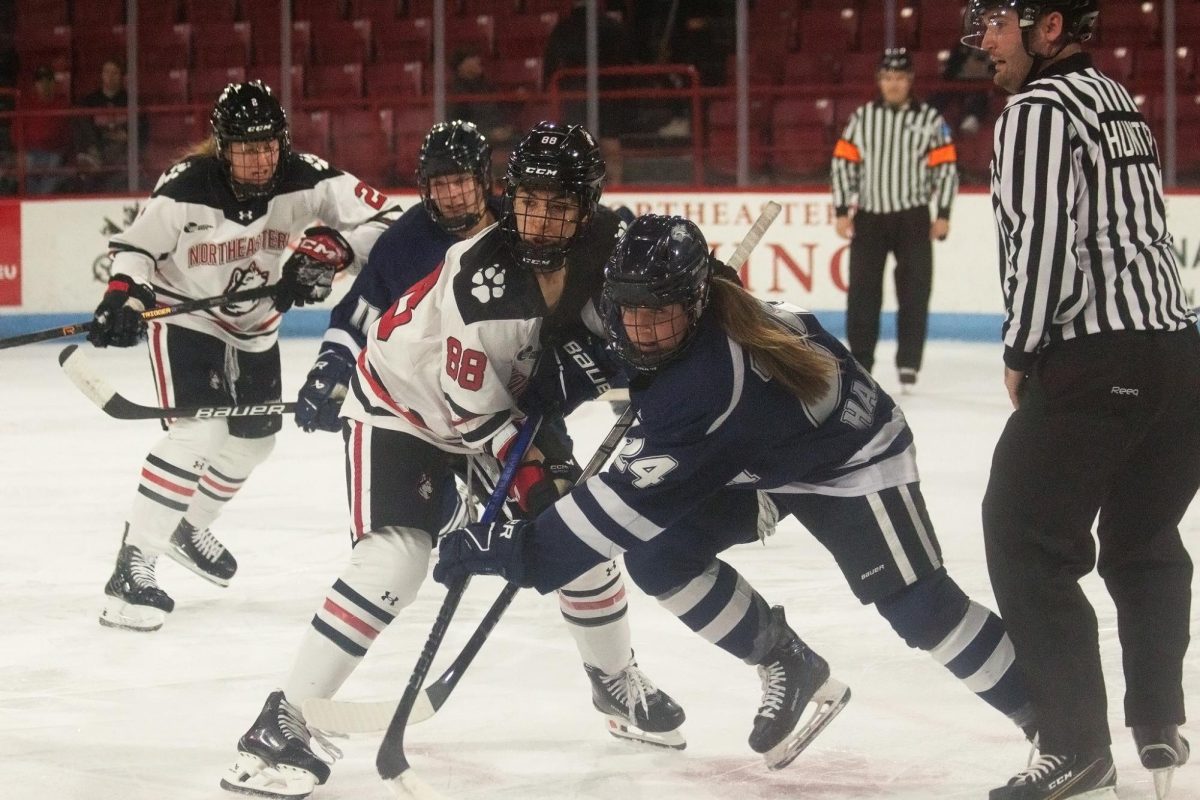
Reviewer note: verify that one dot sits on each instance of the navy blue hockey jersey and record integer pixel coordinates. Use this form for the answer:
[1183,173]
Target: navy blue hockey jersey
[711,421]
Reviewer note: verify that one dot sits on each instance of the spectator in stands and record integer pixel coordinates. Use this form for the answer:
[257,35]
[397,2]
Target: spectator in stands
[46,137]
[469,78]
[102,139]
[967,64]
[566,48]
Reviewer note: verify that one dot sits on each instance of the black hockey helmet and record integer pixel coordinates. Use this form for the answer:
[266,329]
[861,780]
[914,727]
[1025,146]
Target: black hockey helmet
[659,262]
[559,158]
[248,112]
[454,148]
[1079,17]
[896,59]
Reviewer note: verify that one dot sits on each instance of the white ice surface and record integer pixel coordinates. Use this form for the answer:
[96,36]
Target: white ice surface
[89,712]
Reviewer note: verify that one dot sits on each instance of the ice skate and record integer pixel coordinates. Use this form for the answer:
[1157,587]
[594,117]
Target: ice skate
[792,677]
[202,553]
[908,379]
[1058,777]
[1162,750]
[635,709]
[274,756]
[133,600]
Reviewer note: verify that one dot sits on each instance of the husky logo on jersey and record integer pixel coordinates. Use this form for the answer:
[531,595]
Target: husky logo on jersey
[488,283]
[248,277]
[424,487]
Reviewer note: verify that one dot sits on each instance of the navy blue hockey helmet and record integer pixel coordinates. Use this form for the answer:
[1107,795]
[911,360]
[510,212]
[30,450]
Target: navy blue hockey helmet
[1079,17]
[249,112]
[563,159]
[656,286]
[455,148]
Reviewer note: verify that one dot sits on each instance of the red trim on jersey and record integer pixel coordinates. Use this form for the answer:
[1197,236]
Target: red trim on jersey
[369,378]
[158,332]
[351,620]
[356,464]
[166,484]
[593,605]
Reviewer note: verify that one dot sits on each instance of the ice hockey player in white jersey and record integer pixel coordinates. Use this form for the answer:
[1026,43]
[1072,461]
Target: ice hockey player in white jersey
[224,218]
[737,399]
[438,383]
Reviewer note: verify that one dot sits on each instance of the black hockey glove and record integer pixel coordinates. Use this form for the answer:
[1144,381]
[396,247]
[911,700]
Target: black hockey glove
[308,273]
[320,399]
[118,319]
[483,549]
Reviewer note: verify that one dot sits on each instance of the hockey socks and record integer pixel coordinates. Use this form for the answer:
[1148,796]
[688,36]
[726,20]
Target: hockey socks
[722,607]
[594,607]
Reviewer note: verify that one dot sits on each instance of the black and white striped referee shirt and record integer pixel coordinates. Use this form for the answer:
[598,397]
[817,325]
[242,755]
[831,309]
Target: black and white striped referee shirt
[893,159]
[1078,198]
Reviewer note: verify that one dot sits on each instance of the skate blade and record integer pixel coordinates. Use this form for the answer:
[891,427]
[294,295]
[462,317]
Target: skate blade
[1162,781]
[830,699]
[183,560]
[407,786]
[251,775]
[128,617]
[622,729]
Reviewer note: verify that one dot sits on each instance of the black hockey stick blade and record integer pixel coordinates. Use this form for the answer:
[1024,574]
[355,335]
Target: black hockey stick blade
[257,293]
[391,762]
[79,369]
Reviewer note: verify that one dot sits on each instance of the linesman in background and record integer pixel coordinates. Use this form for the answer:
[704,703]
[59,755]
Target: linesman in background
[894,159]
[1102,364]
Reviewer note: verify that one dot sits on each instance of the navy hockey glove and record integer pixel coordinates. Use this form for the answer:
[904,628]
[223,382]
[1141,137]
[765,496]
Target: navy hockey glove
[568,375]
[308,273]
[320,399]
[483,549]
[118,319]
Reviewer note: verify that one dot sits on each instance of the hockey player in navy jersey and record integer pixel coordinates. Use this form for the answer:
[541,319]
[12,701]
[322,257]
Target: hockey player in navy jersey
[220,220]
[435,388]
[745,407]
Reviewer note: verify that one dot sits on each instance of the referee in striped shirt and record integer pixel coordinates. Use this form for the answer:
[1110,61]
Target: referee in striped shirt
[894,158]
[1102,365]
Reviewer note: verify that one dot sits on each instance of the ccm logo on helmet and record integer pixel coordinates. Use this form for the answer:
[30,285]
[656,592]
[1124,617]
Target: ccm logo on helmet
[541,171]
[251,411]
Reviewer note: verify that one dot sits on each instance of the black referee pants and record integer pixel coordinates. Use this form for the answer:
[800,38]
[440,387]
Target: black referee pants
[1109,425]
[905,234]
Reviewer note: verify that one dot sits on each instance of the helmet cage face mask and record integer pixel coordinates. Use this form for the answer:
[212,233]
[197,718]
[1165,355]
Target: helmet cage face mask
[660,263]
[565,162]
[455,148]
[1079,18]
[248,112]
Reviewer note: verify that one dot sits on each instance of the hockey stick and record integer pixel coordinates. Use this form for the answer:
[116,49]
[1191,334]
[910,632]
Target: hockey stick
[343,716]
[391,762]
[79,370]
[257,293]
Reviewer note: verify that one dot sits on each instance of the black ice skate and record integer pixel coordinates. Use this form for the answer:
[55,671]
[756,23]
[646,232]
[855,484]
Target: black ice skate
[792,677]
[133,600]
[635,709]
[1161,749]
[1056,777]
[274,756]
[908,379]
[200,552]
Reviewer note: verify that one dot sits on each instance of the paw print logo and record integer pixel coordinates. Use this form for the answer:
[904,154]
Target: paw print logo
[489,284]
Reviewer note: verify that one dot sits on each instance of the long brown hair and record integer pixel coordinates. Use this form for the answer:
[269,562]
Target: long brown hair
[787,357]
[207,147]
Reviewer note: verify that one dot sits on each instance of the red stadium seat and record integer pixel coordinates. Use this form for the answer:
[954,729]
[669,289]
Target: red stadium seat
[929,64]
[801,154]
[169,138]
[525,35]
[262,11]
[1150,67]
[476,33]
[266,43]
[157,12]
[47,46]
[829,30]
[806,67]
[409,126]
[209,11]
[207,83]
[90,49]
[221,44]
[310,132]
[375,10]
[1130,24]
[1115,62]
[339,42]
[392,78]
[269,74]
[321,11]
[516,74]
[36,15]
[424,8]
[404,40]
[335,81]
[164,47]
[872,29]
[803,114]
[163,87]
[563,7]
[362,144]
[858,69]
[98,13]
[500,9]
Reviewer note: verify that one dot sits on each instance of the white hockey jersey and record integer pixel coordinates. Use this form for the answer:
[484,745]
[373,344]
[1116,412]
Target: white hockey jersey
[194,239]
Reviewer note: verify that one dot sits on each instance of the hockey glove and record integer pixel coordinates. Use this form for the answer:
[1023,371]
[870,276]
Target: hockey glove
[483,549]
[569,374]
[538,484]
[320,399]
[308,273]
[118,319]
